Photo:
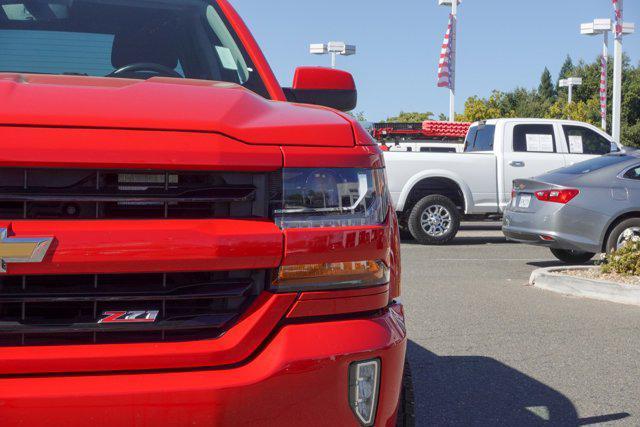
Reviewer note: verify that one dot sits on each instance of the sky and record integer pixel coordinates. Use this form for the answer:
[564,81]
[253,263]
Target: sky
[502,44]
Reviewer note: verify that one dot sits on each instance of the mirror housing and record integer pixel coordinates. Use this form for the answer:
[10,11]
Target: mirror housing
[323,86]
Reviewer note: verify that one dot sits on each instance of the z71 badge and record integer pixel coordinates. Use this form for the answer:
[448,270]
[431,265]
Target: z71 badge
[129,316]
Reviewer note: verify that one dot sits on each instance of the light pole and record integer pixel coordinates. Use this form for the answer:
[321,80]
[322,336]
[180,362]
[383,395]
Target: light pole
[601,26]
[620,29]
[570,83]
[333,48]
[452,55]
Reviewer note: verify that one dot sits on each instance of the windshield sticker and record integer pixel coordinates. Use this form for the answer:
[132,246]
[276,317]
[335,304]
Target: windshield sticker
[540,143]
[575,144]
[226,58]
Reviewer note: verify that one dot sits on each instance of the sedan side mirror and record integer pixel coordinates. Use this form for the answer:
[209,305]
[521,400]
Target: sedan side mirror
[323,86]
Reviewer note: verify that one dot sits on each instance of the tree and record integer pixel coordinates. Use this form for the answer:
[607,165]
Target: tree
[476,109]
[581,111]
[546,89]
[565,71]
[359,116]
[410,117]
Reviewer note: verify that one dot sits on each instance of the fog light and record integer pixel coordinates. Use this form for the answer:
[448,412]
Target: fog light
[364,382]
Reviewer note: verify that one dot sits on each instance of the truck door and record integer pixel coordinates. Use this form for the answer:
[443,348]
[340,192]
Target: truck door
[528,150]
[584,143]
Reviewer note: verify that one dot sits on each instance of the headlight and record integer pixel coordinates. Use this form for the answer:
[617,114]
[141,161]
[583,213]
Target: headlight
[332,198]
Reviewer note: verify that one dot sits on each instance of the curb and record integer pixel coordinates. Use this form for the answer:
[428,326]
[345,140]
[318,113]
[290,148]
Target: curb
[549,279]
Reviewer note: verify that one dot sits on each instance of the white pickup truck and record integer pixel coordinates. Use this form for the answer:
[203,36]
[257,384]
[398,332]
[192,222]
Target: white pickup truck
[433,191]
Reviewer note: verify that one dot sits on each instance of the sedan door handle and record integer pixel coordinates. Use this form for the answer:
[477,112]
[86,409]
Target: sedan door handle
[516,164]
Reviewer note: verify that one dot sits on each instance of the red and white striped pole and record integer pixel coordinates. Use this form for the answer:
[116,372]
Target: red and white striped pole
[617,72]
[604,62]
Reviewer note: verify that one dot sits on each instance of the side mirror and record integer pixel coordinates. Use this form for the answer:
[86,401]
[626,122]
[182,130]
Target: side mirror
[323,86]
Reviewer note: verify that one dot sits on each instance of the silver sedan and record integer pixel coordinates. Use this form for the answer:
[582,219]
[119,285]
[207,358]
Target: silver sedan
[580,210]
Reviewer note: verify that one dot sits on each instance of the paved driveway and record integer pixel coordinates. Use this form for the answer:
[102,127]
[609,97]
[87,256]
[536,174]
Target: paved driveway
[488,350]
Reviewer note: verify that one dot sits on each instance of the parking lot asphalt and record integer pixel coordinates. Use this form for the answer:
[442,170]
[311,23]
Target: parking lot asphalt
[486,349]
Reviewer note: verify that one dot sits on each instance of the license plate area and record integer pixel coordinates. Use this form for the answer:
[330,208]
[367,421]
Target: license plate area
[524,201]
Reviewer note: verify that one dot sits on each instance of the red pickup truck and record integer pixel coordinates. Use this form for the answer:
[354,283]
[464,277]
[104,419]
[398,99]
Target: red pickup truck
[183,241]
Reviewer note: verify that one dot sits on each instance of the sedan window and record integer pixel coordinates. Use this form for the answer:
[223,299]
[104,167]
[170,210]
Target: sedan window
[633,173]
[595,164]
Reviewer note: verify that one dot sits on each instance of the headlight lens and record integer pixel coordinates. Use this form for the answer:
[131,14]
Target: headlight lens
[332,198]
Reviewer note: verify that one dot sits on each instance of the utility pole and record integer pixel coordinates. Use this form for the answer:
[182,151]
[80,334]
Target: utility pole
[452,90]
[604,79]
[451,60]
[620,29]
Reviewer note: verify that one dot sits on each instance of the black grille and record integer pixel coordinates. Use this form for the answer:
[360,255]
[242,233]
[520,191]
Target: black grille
[42,310]
[121,194]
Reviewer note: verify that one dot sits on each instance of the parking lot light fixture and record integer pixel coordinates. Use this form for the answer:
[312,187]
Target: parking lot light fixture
[334,49]
[570,83]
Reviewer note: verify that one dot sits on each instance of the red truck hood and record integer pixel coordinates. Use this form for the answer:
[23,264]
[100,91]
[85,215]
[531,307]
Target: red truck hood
[166,104]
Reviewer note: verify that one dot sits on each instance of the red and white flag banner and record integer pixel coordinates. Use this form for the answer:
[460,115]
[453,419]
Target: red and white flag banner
[603,86]
[617,8]
[446,66]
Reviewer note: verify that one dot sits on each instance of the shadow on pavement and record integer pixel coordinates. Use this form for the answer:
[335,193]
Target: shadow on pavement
[479,240]
[546,264]
[406,239]
[480,391]
[487,235]
[481,226]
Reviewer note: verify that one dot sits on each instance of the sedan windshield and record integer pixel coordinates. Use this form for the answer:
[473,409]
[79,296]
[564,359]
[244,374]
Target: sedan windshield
[126,39]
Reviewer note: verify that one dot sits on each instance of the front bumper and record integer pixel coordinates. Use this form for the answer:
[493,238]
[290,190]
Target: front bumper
[571,227]
[300,377]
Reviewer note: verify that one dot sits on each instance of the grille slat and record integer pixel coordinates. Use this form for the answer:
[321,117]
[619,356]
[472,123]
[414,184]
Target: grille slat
[207,195]
[122,194]
[196,322]
[37,310]
[192,292]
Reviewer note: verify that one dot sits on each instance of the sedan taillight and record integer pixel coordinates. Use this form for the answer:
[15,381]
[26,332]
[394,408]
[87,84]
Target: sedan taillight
[557,196]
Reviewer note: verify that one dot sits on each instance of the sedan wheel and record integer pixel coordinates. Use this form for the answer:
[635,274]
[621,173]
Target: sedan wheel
[572,257]
[626,236]
[621,233]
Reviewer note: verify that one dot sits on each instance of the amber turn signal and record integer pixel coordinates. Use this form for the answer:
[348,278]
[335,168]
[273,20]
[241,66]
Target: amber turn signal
[337,275]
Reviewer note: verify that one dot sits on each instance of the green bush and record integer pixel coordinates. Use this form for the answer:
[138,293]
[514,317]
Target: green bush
[626,260]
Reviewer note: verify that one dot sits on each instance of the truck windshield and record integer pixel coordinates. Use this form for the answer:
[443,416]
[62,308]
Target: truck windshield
[126,39]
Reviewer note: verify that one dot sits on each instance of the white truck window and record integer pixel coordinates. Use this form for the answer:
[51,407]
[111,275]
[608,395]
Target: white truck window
[480,138]
[534,139]
[585,141]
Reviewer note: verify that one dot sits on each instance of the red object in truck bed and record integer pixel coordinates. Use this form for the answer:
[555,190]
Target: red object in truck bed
[427,129]
[445,129]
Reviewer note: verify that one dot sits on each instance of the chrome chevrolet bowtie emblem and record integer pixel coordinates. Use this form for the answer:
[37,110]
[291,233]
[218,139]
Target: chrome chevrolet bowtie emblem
[21,249]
